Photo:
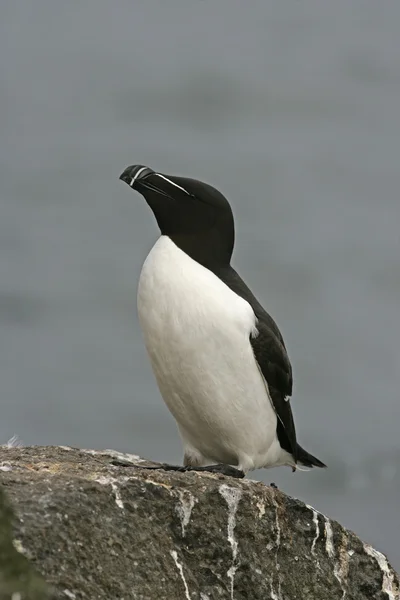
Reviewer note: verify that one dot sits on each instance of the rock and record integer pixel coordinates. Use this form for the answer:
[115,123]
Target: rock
[18,579]
[99,531]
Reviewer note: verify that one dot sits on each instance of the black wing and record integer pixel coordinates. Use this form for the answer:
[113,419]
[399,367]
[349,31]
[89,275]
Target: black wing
[273,361]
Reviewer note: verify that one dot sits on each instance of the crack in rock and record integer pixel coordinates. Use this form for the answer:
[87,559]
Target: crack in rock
[232,497]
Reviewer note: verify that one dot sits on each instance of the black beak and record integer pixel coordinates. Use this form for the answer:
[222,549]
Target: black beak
[135,173]
[138,177]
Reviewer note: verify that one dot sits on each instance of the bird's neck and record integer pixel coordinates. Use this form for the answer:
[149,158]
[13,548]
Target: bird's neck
[210,249]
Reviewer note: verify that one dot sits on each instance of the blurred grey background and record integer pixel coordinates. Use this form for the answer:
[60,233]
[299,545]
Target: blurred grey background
[292,110]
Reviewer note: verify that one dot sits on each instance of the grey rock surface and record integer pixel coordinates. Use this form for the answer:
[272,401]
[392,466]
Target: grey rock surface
[100,531]
[18,579]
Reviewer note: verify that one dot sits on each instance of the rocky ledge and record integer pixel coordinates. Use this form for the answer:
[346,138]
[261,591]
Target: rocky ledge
[97,530]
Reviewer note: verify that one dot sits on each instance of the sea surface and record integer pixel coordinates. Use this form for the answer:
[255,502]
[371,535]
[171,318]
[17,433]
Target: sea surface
[291,109]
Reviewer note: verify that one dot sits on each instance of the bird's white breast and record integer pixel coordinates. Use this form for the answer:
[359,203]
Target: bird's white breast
[196,332]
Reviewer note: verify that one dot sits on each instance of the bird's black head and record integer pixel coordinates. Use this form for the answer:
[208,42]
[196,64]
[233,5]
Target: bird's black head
[193,214]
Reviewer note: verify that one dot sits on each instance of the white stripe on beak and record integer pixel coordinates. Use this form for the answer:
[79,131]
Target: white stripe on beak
[172,183]
[137,175]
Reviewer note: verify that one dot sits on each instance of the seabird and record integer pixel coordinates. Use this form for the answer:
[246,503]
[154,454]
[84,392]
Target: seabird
[218,357]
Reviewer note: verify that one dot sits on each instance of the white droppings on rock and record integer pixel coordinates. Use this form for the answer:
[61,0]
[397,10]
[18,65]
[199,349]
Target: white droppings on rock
[184,508]
[329,547]
[134,458]
[19,547]
[276,595]
[113,483]
[69,594]
[117,493]
[158,484]
[272,591]
[261,509]
[388,585]
[179,566]
[316,525]
[123,456]
[68,448]
[340,566]
[232,497]
[277,526]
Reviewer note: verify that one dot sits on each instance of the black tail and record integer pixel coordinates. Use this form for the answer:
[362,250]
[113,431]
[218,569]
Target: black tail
[308,460]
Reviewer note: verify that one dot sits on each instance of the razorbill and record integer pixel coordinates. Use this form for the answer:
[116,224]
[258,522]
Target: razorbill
[219,358]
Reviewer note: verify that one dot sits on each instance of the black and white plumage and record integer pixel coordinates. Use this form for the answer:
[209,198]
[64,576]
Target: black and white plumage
[219,358]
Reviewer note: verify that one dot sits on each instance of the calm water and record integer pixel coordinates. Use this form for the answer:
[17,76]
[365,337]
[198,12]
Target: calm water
[292,110]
